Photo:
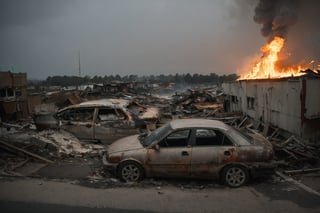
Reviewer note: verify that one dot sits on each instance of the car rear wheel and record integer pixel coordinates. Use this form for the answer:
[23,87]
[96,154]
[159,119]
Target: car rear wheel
[235,176]
[130,172]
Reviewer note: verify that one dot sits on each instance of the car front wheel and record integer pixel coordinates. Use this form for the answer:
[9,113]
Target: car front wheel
[130,172]
[235,176]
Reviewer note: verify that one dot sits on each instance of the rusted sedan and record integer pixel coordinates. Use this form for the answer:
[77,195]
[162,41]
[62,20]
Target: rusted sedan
[104,120]
[190,148]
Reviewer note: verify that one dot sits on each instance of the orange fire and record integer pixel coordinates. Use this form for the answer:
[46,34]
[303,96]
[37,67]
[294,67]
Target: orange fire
[267,66]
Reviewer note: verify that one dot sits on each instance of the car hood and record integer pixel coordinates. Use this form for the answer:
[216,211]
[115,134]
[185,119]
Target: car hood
[125,144]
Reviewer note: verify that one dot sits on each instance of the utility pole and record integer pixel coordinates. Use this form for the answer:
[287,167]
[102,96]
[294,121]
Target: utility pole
[79,64]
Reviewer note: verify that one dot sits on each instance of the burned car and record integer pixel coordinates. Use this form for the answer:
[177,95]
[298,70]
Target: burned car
[104,120]
[190,148]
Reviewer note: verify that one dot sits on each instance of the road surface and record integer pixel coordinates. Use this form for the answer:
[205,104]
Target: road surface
[35,195]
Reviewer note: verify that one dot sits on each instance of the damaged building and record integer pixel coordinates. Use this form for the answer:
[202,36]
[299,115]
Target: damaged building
[13,95]
[292,104]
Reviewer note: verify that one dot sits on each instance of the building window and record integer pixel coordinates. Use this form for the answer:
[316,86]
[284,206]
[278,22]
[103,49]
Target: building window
[234,99]
[6,93]
[10,92]
[3,93]
[250,102]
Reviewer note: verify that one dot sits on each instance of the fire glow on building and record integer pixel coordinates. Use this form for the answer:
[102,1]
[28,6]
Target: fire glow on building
[293,39]
[273,90]
[268,68]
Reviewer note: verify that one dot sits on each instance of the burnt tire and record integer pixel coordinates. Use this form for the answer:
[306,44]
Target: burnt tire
[130,171]
[234,176]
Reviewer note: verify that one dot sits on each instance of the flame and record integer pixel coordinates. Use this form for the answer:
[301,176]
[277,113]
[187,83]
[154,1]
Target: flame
[267,66]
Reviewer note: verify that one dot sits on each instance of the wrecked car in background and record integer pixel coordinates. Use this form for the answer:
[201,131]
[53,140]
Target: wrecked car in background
[190,148]
[102,120]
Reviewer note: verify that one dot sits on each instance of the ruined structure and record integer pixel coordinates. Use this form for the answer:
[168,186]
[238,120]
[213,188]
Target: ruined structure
[292,104]
[13,95]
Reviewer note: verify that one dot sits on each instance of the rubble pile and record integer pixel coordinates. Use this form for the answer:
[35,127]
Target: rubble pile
[291,151]
[297,153]
[19,147]
[66,144]
[21,144]
[204,102]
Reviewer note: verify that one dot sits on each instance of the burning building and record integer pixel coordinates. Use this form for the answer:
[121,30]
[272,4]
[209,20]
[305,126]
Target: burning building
[292,104]
[275,91]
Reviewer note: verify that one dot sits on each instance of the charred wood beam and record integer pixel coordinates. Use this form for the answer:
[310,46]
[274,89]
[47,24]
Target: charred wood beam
[25,152]
[298,171]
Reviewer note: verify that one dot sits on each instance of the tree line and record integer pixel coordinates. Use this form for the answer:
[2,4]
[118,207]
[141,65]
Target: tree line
[188,78]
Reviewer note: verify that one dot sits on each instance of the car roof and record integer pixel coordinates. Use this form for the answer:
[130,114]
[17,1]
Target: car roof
[105,102]
[202,123]
[112,102]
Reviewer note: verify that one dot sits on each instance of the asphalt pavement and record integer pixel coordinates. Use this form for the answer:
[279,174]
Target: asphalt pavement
[260,196]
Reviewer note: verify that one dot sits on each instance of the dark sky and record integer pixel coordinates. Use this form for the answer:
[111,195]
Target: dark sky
[143,37]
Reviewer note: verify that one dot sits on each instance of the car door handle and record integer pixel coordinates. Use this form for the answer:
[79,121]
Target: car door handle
[227,153]
[184,153]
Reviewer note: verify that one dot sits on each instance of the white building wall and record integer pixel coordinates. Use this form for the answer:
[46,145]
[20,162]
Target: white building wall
[275,101]
[312,101]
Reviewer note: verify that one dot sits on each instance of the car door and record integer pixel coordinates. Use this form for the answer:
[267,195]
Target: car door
[78,121]
[211,150]
[112,124]
[173,156]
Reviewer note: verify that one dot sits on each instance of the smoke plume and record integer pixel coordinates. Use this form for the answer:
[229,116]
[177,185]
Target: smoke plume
[297,22]
[276,16]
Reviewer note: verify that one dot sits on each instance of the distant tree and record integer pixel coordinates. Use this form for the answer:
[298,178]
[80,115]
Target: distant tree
[196,78]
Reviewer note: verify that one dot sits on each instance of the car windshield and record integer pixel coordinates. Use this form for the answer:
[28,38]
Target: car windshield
[240,138]
[156,134]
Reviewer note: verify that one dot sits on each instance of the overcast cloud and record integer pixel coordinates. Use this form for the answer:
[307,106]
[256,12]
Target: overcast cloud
[143,37]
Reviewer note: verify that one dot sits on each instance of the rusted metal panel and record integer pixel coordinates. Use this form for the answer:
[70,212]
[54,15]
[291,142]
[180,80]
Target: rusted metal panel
[312,99]
[169,161]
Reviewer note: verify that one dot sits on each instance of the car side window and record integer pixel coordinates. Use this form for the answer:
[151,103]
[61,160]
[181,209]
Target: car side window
[77,114]
[107,114]
[178,138]
[210,137]
[110,114]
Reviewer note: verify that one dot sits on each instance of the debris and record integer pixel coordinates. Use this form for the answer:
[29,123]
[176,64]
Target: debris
[298,171]
[296,149]
[67,144]
[204,102]
[25,152]
[242,122]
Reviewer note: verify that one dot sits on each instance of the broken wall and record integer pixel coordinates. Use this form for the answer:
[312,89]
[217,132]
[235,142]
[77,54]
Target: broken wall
[13,102]
[279,102]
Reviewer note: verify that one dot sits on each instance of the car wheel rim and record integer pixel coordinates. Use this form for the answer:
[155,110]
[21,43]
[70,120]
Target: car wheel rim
[235,177]
[130,173]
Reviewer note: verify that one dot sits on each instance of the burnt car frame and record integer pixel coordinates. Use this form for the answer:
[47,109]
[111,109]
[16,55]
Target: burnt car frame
[104,120]
[191,148]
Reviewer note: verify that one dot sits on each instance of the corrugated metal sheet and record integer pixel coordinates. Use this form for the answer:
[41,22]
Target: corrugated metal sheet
[282,102]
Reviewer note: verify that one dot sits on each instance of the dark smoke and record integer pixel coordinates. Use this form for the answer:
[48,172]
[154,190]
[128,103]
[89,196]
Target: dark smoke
[295,20]
[276,16]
